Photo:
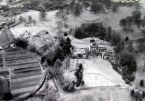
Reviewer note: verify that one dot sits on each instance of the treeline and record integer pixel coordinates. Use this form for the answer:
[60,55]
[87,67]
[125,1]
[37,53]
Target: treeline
[44,5]
[97,30]
[135,19]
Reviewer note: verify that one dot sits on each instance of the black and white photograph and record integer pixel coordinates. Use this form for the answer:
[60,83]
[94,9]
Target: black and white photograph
[72,50]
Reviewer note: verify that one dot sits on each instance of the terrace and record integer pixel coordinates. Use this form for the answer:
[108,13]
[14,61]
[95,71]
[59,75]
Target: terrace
[23,68]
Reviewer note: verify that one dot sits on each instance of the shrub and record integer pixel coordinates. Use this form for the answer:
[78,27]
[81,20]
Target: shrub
[141,83]
[32,48]
[21,43]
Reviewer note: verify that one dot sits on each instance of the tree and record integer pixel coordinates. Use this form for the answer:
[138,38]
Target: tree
[79,75]
[108,36]
[115,8]
[143,95]
[42,15]
[4,8]
[96,7]
[10,1]
[127,38]
[108,3]
[56,67]
[43,59]
[22,19]
[77,9]
[34,22]
[119,47]
[68,45]
[123,22]
[142,83]
[65,34]
[129,21]
[128,62]
[130,47]
[143,22]
[116,38]
[30,19]
[79,34]
[141,47]
[137,17]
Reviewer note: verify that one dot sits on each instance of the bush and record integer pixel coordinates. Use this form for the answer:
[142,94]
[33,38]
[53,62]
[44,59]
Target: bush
[32,49]
[21,43]
[142,83]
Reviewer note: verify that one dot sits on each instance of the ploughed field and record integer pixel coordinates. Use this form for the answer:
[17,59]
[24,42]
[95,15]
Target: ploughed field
[25,70]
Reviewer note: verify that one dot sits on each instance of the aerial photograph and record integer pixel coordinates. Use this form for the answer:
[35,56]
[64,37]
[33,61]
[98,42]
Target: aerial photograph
[72,50]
